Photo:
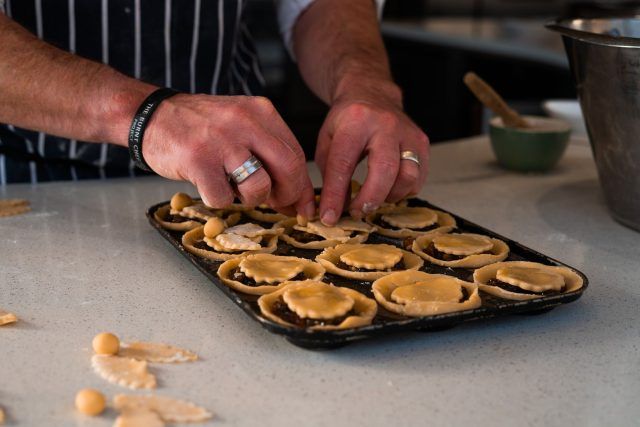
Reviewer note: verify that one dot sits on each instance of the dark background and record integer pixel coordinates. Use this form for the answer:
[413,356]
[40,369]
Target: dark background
[429,72]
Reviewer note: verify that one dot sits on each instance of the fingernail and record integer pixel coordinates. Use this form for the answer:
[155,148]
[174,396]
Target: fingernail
[356,214]
[329,218]
[309,210]
[367,208]
[301,220]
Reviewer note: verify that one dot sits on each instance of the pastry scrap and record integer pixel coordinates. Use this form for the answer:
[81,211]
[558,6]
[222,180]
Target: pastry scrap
[123,371]
[315,235]
[416,293]
[523,280]
[317,306]
[367,262]
[139,418]
[463,250]
[228,245]
[1,416]
[156,352]
[260,274]
[264,213]
[11,207]
[403,221]
[7,318]
[168,409]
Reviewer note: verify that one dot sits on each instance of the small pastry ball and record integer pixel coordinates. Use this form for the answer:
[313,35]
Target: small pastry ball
[180,201]
[213,227]
[106,343]
[90,402]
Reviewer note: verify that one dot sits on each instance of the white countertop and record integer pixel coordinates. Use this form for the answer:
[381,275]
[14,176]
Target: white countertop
[86,260]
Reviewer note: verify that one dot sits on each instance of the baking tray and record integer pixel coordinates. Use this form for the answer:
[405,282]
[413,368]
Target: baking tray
[385,322]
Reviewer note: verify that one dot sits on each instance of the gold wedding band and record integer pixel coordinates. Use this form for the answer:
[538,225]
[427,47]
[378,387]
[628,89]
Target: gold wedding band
[245,170]
[410,155]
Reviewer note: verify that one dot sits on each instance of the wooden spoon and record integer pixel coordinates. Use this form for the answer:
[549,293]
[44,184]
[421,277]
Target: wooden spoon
[490,99]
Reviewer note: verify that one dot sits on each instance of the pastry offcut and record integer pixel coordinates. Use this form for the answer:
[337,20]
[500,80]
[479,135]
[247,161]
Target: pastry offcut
[367,262]
[168,409]
[156,352]
[417,294]
[123,371]
[7,318]
[523,280]
[460,250]
[317,305]
[261,274]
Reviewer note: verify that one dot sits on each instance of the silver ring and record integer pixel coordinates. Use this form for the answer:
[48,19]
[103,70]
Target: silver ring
[410,155]
[245,170]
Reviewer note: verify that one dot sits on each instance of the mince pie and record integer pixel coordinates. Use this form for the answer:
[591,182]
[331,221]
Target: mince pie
[184,213]
[317,305]
[367,262]
[315,235]
[264,213]
[416,293]
[523,280]
[463,250]
[403,221]
[218,242]
[175,222]
[261,274]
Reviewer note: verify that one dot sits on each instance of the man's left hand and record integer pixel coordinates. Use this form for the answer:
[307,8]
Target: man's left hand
[368,121]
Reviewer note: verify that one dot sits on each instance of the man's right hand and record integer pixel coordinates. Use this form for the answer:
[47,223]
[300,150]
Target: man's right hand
[199,138]
[203,138]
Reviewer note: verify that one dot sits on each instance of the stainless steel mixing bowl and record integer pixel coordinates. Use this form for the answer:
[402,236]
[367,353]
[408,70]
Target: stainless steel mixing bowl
[604,55]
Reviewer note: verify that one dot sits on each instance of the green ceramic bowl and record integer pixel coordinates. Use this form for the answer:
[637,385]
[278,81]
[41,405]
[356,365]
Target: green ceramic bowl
[534,149]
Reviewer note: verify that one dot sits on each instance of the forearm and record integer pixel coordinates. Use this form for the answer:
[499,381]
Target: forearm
[340,51]
[46,89]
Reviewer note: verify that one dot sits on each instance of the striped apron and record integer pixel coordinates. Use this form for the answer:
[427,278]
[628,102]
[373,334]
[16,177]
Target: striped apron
[196,46]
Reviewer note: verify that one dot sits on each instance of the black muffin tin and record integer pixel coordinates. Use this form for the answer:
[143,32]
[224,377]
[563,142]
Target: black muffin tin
[385,322]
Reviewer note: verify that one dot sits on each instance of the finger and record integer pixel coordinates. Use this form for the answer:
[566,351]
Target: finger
[286,210]
[275,124]
[344,154]
[424,148]
[322,147]
[256,188]
[286,168]
[211,181]
[306,205]
[382,171]
[406,181]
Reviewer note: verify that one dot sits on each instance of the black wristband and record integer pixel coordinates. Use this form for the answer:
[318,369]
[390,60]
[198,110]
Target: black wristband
[140,122]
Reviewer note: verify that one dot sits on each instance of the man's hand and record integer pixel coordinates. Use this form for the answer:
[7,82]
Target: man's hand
[199,138]
[342,58]
[368,122]
[202,139]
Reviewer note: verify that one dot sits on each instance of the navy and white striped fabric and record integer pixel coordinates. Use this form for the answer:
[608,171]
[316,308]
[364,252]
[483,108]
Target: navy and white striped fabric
[193,46]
